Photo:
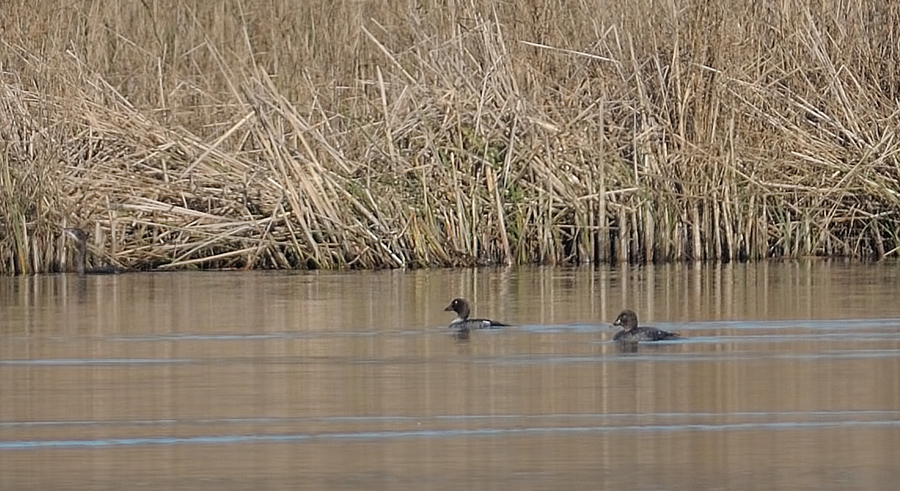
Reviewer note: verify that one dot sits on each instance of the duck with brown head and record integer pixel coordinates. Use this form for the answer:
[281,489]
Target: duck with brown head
[81,237]
[462,321]
[632,333]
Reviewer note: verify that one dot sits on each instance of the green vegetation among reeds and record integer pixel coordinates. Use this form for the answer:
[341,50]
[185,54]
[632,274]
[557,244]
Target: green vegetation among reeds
[320,134]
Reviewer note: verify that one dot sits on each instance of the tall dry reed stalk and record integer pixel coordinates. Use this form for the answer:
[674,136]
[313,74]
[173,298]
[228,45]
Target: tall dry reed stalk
[375,134]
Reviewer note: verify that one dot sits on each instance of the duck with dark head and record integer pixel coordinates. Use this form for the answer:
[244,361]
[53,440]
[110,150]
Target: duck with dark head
[632,333]
[81,237]
[462,323]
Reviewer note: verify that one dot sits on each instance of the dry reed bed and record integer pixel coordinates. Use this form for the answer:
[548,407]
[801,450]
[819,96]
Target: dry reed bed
[539,133]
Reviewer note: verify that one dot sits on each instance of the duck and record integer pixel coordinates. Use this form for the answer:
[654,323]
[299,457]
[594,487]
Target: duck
[632,333]
[462,322]
[81,237]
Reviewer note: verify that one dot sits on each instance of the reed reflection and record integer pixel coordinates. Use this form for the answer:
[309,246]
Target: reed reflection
[345,376]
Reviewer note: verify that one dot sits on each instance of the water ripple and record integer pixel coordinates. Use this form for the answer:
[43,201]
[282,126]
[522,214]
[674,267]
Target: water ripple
[431,433]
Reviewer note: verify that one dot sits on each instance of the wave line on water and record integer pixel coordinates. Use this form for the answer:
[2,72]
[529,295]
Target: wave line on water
[238,336]
[95,361]
[832,415]
[424,433]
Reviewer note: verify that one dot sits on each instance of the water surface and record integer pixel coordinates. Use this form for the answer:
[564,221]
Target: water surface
[786,378]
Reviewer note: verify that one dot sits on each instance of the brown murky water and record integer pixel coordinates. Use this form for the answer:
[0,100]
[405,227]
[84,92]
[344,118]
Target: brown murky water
[787,378]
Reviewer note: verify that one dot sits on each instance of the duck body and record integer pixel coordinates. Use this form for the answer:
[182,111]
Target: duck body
[467,324]
[632,333]
[462,321]
[644,334]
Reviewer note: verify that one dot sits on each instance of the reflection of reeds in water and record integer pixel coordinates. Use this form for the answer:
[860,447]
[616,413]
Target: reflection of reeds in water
[235,135]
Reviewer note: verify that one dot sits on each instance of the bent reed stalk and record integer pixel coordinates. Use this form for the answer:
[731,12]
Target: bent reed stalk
[249,134]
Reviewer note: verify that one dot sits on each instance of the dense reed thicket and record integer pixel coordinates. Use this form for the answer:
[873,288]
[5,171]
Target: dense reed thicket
[282,134]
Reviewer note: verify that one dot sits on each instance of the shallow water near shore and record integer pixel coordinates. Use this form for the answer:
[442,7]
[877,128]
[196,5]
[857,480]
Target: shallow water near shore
[787,378]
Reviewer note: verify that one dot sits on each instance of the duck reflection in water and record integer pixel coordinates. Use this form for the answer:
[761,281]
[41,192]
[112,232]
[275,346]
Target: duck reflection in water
[462,324]
[81,237]
[631,333]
